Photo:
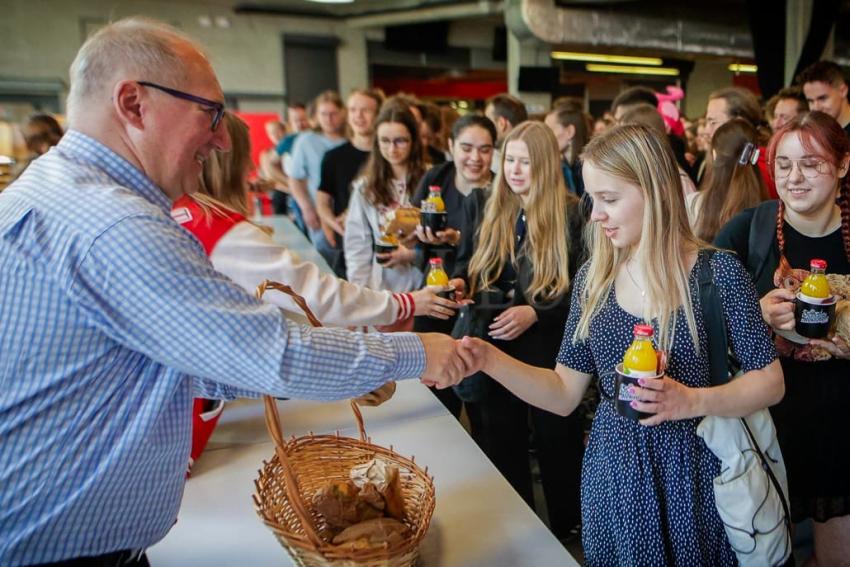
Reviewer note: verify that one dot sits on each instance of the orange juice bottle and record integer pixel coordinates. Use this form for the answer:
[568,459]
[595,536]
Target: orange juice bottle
[640,360]
[435,199]
[816,285]
[437,275]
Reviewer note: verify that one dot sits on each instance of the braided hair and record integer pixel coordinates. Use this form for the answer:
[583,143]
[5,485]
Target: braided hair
[817,129]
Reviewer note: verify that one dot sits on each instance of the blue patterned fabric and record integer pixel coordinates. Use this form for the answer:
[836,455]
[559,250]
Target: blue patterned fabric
[646,492]
[108,310]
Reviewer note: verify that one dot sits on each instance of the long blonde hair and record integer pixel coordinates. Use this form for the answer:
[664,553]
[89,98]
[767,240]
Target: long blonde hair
[637,155]
[223,176]
[547,241]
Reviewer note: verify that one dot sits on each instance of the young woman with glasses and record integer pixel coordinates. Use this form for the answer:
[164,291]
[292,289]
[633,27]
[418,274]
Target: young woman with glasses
[809,157]
[391,174]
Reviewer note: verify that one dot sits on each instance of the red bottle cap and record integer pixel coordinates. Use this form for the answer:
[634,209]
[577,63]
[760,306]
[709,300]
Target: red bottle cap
[436,261]
[818,263]
[643,330]
[436,188]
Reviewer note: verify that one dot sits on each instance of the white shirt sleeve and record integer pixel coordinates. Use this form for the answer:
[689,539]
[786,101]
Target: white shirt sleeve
[358,241]
[247,255]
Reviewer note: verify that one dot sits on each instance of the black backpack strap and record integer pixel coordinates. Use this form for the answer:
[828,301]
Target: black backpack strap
[712,314]
[761,238]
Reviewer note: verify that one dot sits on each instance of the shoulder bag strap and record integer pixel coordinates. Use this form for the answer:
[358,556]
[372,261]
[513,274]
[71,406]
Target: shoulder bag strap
[712,314]
[761,237]
[718,356]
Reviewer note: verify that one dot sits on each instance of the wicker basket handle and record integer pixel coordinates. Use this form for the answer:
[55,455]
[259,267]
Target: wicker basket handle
[293,490]
[274,425]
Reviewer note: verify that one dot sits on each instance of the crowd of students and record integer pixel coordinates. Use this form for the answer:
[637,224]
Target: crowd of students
[569,232]
[532,199]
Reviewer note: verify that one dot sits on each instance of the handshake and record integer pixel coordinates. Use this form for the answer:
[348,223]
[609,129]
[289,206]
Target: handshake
[448,361]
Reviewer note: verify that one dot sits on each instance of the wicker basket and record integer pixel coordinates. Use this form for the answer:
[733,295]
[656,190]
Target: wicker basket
[302,465]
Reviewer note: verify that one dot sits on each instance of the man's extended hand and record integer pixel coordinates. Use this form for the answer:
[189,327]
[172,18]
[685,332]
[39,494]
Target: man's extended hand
[443,365]
[476,354]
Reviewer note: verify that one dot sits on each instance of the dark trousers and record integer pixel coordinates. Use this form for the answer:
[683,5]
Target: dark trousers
[125,558]
[502,431]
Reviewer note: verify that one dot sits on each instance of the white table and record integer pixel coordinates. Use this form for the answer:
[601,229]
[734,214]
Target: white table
[479,519]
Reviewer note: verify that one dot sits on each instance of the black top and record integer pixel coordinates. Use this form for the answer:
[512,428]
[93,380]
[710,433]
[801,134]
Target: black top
[442,175]
[340,167]
[799,249]
[847,129]
[812,419]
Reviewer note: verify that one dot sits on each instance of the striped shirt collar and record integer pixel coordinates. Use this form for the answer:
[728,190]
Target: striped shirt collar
[85,150]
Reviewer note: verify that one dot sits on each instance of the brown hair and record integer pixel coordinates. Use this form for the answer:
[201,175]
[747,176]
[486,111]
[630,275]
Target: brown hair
[568,115]
[741,103]
[788,93]
[379,173]
[509,107]
[328,96]
[821,130]
[223,176]
[41,129]
[634,96]
[729,186]
[824,72]
[375,94]
[647,115]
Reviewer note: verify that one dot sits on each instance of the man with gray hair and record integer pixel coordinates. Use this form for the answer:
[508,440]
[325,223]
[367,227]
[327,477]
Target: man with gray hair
[114,319]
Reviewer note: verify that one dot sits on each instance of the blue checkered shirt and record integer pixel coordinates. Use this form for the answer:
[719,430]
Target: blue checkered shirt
[108,310]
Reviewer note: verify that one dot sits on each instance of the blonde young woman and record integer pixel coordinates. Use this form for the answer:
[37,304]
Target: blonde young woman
[247,255]
[528,247]
[647,494]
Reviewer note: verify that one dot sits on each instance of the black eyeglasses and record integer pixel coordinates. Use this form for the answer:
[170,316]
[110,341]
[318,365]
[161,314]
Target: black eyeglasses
[211,104]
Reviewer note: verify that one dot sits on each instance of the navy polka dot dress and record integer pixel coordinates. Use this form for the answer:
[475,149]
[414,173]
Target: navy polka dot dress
[646,494]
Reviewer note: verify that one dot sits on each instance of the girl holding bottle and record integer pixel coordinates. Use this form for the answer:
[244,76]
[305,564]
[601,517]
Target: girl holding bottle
[646,489]
[394,169]
[809,157]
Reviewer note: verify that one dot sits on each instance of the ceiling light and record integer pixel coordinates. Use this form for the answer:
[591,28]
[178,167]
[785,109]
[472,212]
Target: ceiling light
[605,58]
[743,68]
[625,69]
